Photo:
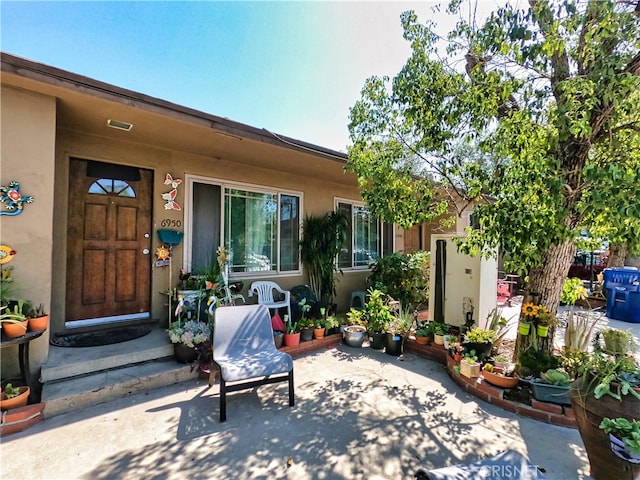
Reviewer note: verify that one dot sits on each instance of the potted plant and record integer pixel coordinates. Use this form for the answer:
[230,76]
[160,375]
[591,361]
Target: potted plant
[14,397]
[617,342]
[439,331]
[469,366]
[480,340]
[457,351]
[14,322]
[38,319]
[552,386]
[544,320]
[191,340]
[608,386]
[528,316]
[322,240]
[503,378]
[319,329]
[624,436]
[501,361]
[378,316]
[424,333]
[398,329]
[292,334]
[305,323]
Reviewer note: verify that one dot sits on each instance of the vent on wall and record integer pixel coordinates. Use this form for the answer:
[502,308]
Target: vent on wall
[119,125]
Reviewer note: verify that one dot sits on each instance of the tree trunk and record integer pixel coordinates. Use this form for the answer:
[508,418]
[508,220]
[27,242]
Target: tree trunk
[545,288]
[617,254]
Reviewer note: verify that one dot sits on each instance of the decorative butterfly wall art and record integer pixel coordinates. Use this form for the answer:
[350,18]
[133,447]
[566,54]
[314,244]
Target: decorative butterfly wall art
[170,196]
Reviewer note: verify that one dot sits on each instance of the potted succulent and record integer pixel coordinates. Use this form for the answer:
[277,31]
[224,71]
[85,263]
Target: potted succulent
[191,340]
[457,351]
[14,322]
[38,319]
[503,378]
[617,342]
[469,366]
[624,436]
[14,397]
[608,386]
[291,334]
[552,386]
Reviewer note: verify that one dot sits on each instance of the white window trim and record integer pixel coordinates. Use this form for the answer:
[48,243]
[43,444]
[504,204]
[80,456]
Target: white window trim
[190,179]
[355,203]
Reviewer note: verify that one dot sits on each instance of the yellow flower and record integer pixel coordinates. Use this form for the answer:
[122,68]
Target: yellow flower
[530,310]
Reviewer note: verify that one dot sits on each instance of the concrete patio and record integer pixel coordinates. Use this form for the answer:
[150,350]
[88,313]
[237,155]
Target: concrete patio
[359,414]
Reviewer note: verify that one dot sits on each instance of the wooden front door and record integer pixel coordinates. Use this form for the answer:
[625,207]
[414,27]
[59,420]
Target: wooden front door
[109,238]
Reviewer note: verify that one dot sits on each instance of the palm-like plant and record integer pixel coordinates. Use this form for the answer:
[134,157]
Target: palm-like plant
[322,240]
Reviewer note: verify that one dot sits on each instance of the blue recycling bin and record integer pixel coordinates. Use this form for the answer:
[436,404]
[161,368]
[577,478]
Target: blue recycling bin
[622,288]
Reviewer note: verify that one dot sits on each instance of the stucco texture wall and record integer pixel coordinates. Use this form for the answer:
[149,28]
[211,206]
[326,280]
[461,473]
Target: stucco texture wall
[28,126]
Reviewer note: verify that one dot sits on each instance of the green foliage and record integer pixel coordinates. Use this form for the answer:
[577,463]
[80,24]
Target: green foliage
[403,276]
[625,430]
[401,322]
[618,342]
[556,377]
[480,335]
[322,240]
[377,313]
[572,291]
[440,328]
[10,391]
[533,362]
[539,132]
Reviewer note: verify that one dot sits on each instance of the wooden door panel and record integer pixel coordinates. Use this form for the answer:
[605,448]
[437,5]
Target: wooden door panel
[107,236]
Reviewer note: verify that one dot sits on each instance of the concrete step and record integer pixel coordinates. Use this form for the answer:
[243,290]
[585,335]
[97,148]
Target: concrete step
[75,378]
[81,392]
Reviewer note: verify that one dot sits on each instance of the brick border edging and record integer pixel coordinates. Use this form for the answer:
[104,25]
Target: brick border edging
[312,345]
[552,413]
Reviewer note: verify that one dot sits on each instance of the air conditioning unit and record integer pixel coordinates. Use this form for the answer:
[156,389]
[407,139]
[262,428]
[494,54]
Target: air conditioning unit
[462,287]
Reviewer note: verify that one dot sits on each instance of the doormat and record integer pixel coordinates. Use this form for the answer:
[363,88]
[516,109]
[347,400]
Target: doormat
[97,339]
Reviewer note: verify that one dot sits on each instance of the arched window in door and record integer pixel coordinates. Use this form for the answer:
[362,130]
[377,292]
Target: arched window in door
[108,186]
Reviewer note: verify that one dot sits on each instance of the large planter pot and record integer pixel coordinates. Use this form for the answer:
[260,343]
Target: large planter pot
[589,412]
[377,341]
[354,335]
[494,378]
[39,324]
[15,402]
[14,330]
[394,345]
[482,349]
[306,334]
[291,339]
[545,392]
[184,354]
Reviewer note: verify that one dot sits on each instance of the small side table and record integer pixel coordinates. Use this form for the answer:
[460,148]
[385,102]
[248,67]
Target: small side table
[23,355]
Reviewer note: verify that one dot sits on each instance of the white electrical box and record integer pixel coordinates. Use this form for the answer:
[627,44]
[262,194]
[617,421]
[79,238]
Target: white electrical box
[461,286]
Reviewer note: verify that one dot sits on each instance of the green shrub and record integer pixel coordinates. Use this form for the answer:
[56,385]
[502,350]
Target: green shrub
[403,276]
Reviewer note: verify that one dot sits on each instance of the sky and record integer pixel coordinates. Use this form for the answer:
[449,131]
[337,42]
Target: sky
[294,68]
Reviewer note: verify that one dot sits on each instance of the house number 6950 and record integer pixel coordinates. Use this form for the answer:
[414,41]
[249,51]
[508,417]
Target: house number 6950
[170,223]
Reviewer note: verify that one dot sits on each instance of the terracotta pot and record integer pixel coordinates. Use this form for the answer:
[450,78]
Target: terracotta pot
[13,330]
[458,357]
[15,402]
[39,324]
[423,340]
[318,333]
[589,412]
[494,378]
[291,339]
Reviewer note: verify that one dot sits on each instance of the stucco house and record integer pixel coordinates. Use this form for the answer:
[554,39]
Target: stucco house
[108,168]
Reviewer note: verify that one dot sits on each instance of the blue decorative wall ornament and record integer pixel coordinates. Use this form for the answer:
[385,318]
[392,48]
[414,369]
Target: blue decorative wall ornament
[13,199]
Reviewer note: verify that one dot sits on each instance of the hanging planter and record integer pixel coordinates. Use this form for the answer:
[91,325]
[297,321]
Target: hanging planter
[543,330]
[524,328]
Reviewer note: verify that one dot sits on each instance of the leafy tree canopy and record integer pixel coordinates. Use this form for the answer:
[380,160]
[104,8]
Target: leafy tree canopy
[533,116]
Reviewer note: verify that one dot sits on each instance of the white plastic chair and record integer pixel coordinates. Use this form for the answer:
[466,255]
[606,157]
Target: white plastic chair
[265,291]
